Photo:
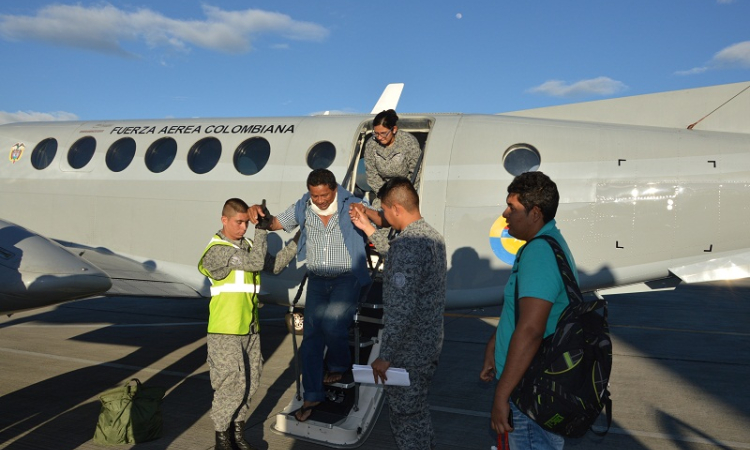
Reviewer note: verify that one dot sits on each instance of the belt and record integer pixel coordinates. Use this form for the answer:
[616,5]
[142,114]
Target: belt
[254,329]
[328,277]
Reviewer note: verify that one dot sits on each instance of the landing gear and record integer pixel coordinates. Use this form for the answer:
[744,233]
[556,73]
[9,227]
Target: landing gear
[295,321]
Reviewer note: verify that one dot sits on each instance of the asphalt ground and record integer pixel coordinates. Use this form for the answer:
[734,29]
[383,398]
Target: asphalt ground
[681,363]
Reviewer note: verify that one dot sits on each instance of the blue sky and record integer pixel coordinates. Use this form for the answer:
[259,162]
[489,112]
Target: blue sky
[96,60]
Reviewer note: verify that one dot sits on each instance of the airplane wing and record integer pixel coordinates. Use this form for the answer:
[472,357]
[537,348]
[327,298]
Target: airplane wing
[37,272]
[663,284]
[731,267]
[715,108]
[134,278]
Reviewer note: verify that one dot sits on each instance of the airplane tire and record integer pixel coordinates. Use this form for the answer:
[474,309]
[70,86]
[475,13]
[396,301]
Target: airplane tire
[295,322]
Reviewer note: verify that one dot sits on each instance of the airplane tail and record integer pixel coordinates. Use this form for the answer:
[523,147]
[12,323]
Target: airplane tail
[389,98]
[722,108]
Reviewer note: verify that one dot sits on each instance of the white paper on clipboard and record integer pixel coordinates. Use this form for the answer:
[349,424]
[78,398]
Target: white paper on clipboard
[396,376]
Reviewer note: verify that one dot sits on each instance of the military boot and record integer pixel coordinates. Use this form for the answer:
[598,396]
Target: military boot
[223,441]
[239,437]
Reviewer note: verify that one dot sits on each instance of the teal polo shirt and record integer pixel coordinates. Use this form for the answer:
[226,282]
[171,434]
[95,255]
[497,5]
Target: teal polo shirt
[538,276]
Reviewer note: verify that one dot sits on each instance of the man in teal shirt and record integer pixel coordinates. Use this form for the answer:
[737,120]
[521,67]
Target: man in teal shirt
[531,207]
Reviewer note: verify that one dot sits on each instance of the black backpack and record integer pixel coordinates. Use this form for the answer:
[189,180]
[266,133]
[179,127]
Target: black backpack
[565,388]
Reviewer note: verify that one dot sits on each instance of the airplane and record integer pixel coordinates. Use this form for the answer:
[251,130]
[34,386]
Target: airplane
[655,190]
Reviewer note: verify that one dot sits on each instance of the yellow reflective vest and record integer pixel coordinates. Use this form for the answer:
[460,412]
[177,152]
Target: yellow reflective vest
[234,299]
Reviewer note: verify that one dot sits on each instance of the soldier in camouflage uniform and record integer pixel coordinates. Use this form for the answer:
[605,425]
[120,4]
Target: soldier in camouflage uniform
[414,283]
[232,263]
[389,152]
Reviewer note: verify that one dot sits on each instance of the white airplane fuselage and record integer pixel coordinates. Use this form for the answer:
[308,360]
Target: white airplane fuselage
[635,201]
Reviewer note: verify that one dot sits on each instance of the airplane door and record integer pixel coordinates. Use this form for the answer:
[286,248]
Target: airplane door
[336,143]
[419,127]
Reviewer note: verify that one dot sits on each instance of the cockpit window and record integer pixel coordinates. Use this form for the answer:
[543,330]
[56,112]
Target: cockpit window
[44,153]
[160,154]
[520,158]
[204,155]
[120,154]
[81,152]
[252,155]
[321,155]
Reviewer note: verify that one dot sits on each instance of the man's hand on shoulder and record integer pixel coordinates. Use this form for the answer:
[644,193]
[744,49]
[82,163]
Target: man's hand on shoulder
[360,219]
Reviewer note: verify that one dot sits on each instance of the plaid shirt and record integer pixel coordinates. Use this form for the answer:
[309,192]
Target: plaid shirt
[327,255]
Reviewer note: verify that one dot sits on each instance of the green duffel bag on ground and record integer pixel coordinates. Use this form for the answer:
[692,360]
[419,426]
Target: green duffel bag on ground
[130,414]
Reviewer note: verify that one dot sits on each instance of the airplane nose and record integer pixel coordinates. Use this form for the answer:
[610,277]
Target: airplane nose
[37,272]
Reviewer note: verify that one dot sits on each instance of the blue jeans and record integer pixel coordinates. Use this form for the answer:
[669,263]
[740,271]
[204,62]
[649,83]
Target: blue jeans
[329,311]
[527,435]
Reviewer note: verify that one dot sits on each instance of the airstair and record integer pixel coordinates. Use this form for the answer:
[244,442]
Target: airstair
[346,417]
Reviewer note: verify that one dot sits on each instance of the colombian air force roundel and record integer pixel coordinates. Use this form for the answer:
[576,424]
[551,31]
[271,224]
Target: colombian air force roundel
[504,246]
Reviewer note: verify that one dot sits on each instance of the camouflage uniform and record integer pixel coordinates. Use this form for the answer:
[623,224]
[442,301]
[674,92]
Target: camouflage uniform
[235,361]
[397,160]
[235,365]
[414,283]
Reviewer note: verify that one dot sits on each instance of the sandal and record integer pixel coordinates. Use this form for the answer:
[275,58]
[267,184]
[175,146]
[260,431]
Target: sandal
[332,377]
[304,409]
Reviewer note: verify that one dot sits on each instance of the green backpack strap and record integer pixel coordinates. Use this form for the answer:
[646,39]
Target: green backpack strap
[575,298]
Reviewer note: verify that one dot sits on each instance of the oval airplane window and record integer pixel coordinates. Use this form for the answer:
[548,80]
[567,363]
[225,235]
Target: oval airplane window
[252,155]
[81,152]
[204,155]
[44,153]
[120,154]
[321,155]
[521,158]
[160,154]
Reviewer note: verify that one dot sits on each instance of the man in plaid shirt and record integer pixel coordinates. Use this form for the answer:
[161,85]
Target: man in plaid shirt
[337,270]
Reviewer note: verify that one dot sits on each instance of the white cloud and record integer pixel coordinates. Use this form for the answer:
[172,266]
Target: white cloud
[33,116]
[734,55]
[104,28]
[693,71]
[594,86]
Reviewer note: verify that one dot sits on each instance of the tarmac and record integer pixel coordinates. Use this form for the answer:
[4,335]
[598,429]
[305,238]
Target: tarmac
[681,361]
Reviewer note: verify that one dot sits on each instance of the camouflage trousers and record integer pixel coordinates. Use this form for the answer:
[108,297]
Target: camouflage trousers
[411,423]
[235,364]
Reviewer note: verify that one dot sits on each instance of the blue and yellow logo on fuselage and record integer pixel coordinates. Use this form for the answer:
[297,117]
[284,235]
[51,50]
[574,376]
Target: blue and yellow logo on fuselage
[503,244]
